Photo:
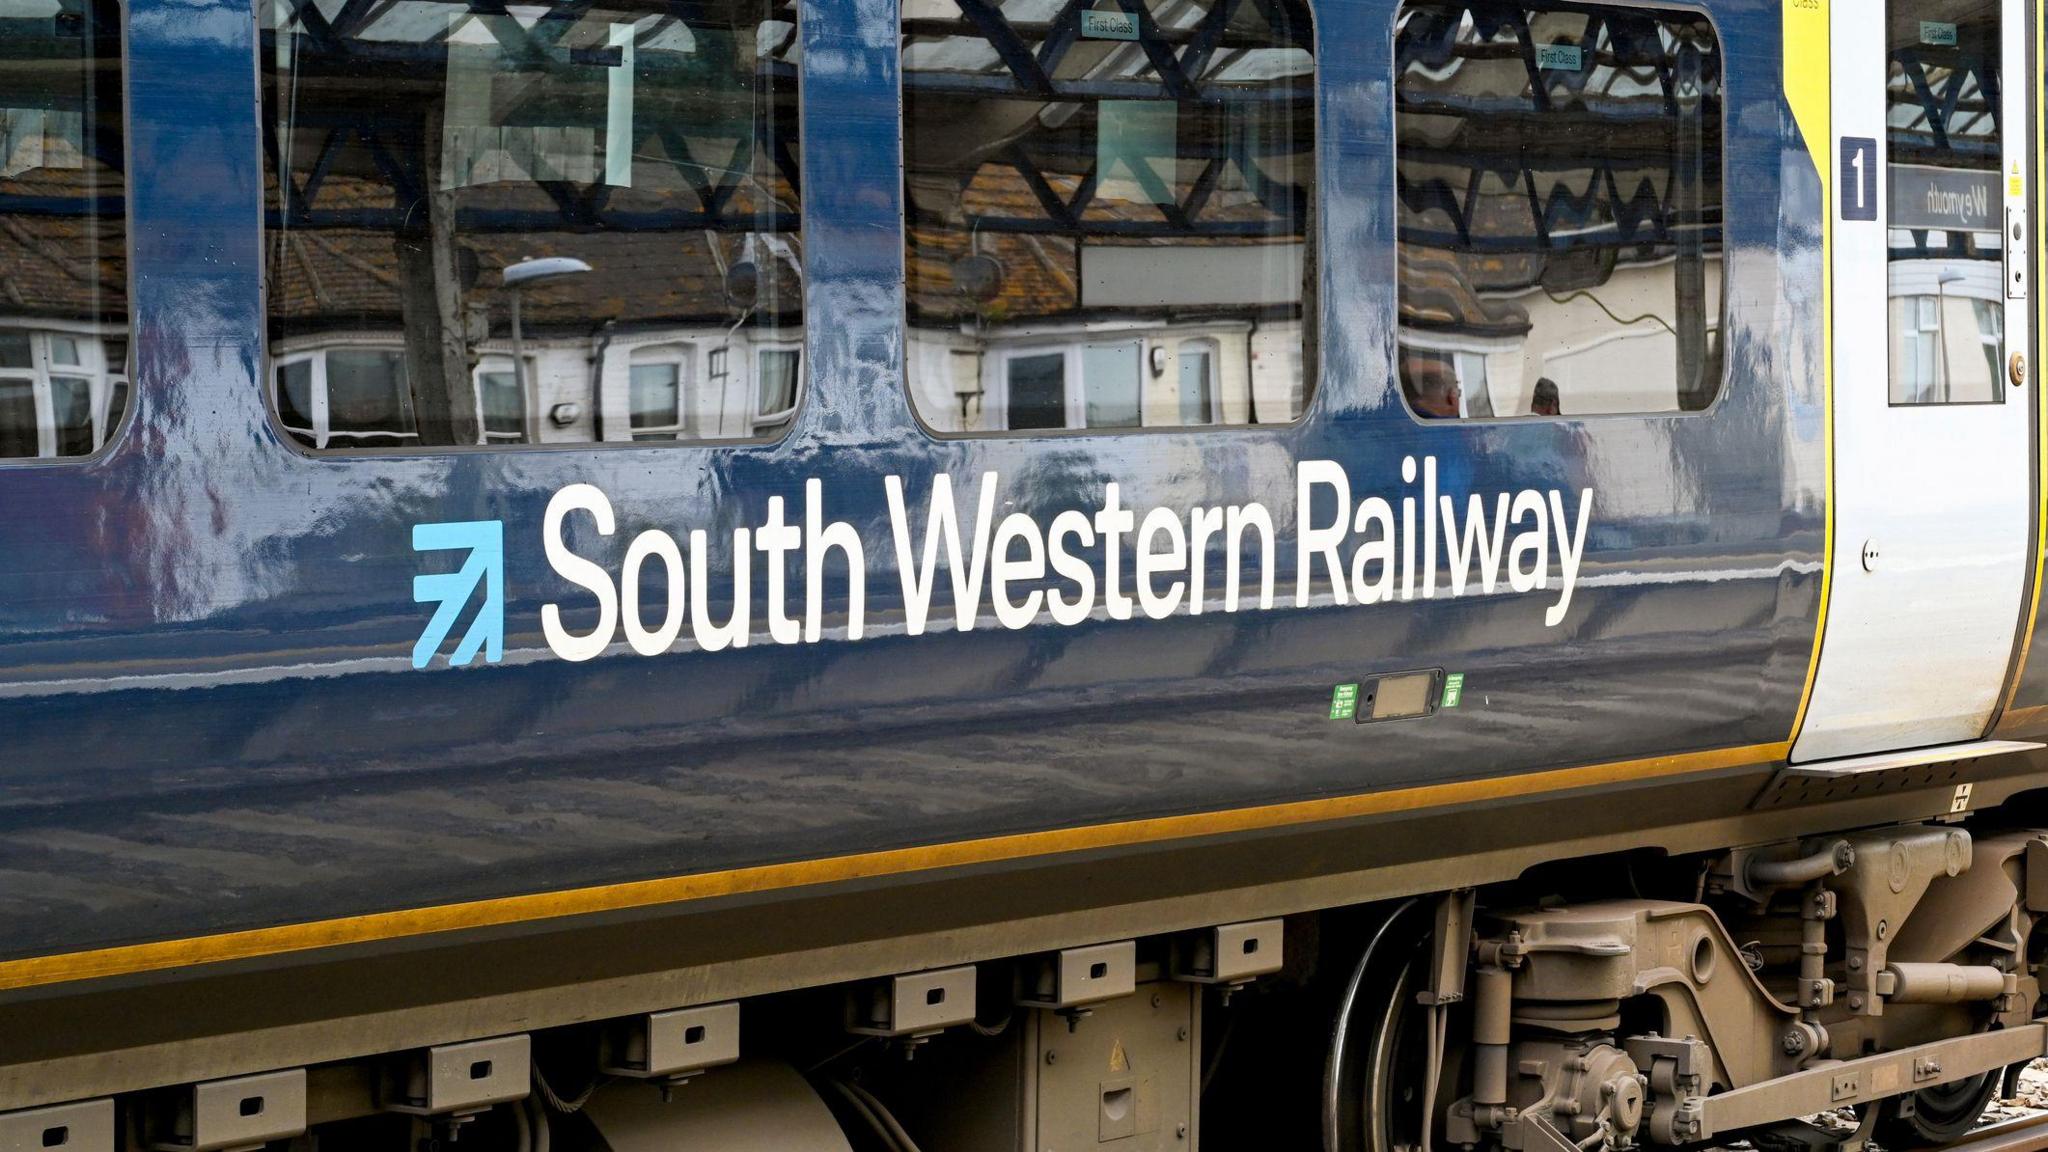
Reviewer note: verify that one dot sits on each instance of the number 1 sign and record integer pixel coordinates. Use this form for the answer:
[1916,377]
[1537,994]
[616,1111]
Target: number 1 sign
[1859,178]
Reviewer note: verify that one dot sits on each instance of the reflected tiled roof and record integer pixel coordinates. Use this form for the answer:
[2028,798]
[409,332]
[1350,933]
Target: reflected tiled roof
[339,275]
[58,260]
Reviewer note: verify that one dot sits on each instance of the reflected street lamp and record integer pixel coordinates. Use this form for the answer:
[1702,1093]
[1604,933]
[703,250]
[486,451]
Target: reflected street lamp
[521,275]
[1948,276]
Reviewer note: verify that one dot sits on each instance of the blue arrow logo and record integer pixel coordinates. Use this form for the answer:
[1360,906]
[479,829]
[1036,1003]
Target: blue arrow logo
[485,542]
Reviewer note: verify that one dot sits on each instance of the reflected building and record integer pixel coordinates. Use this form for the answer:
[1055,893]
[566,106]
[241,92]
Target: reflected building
[1109,213]
[1946,205]
[417,151]
[1560,197]
[64,327]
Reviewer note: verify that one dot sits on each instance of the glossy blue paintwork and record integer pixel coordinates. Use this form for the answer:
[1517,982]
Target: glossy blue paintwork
[210,719]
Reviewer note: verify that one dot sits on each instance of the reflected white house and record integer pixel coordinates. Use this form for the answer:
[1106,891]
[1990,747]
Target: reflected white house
[341,389]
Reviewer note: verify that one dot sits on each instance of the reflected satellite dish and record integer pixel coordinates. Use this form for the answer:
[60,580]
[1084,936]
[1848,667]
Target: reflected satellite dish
[743,284]
[978,277]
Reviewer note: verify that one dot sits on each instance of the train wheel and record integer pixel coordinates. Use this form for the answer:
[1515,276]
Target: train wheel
[1381,1050]
[1939,1115]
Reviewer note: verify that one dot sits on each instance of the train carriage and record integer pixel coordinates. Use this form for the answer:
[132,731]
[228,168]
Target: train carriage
[1018,573]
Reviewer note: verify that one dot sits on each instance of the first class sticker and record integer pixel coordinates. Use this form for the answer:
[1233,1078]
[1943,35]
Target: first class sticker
[1108,25]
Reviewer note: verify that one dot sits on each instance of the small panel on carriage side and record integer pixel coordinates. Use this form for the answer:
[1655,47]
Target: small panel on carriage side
[1108,213]
[64,321]
[547,224]
[1559,178]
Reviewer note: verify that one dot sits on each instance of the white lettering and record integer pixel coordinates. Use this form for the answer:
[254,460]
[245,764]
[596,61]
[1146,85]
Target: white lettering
[1113,521]
[1235,521]
[653,542]
[1373,511]
[576,570]
[820,538]
[1570,550]
[1016,527]
[1535,543]
[1152,562]
[1477,541]
[941,520]
[733,633]
[1065,611]
[1203,523]
[1315,541]
[1368,553]
[777,538]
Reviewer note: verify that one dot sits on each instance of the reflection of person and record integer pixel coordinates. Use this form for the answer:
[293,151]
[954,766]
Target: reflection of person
[1431,383]
[1545,402]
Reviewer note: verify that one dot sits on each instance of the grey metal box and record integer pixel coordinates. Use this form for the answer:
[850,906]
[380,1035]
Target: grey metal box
[243,1112]
[1229,953]
[1076,976]
[674,1043]
[1124,1078]
[911,1004]
[461,1077]
[85,1126]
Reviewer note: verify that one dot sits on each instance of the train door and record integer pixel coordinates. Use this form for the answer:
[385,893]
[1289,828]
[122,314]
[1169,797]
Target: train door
[1932,479]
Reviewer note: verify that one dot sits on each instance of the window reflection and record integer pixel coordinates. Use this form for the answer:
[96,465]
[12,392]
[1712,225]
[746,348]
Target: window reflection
[1947,203]
[777,373]
[1559,179]
[1096,191]
[479,220]
[504,403]
[657,396]
[63,260]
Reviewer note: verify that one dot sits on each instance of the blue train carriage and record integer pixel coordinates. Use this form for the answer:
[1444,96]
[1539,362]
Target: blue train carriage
[1018,574]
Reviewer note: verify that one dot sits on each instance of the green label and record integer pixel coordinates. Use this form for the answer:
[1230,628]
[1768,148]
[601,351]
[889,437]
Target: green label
[1937,34]
[1344,702]
[1108,25]
[1560,57]
[1454,689]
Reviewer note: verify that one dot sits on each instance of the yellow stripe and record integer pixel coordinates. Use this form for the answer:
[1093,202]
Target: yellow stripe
[380,926]
[1809,89]
[2040,180]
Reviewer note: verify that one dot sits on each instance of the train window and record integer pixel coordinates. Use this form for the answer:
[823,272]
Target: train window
[1109,212]
[537,224]
[63,240]
[1559,182]
[1947,210]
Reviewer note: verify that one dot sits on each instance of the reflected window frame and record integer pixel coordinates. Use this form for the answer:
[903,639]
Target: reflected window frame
[112,393]
[1003,394]
[1211,350]
[680,356]
[321,431]
[492,366]
[104,381]
[764,422]
[1158,357]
